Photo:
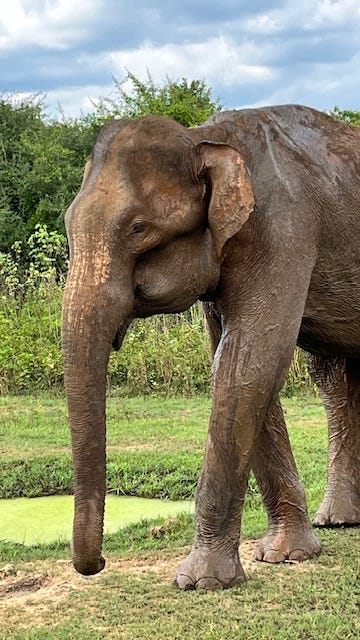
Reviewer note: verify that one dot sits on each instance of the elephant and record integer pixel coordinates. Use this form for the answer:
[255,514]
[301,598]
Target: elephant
[257,214]
[338,382]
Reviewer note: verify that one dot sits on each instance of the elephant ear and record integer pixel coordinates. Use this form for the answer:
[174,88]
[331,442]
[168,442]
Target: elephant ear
[87,170]
[231,194]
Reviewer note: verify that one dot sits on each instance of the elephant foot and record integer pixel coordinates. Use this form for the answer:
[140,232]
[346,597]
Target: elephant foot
[294,544]
[210,570]
[339,510]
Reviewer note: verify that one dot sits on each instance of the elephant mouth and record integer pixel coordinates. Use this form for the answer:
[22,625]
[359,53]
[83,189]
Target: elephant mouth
[120,335]
[143,303]
[140,293]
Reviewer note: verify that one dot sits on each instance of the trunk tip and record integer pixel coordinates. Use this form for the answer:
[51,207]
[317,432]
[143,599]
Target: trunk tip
[89,568]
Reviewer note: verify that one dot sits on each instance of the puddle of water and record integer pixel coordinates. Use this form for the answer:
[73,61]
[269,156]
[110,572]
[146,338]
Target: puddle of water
[33,520]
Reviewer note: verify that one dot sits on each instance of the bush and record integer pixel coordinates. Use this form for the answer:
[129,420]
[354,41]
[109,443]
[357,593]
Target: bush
[30,314]
[189,103]
[41,165]
[168,354]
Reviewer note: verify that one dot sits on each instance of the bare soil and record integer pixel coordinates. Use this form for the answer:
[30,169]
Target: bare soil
[37,585]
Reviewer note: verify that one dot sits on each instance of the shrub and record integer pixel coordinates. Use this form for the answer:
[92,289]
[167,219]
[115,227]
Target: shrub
[168,354]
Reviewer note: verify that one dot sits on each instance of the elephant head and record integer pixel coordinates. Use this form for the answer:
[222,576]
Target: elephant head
[147,233]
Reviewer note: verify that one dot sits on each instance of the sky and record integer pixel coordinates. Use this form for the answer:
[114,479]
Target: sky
[250,52]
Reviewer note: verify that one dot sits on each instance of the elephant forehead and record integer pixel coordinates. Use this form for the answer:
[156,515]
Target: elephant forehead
[150,176]
[146,149]
[141,181]
[103,197]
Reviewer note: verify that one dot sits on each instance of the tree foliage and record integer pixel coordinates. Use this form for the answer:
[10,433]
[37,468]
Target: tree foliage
[188,102]
[42,160]
[41,165]
[352,117]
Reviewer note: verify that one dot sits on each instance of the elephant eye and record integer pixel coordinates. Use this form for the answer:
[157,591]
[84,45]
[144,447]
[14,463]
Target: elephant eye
[138,227]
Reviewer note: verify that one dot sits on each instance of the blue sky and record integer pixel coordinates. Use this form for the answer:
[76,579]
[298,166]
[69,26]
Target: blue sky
[251,53]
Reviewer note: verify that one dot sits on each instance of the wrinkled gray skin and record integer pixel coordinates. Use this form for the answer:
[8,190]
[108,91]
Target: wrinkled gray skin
[258,213]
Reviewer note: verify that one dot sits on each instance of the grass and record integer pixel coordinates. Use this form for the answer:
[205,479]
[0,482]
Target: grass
[155,445]
[145,475]
[38,425]
[133,597]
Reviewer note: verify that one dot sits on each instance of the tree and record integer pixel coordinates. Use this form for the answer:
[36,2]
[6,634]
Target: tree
[41,165]
[188,102]
[42,160]
[352,117]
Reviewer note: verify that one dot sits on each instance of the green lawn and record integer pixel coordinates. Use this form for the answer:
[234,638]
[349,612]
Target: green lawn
[156,447]
[37,425]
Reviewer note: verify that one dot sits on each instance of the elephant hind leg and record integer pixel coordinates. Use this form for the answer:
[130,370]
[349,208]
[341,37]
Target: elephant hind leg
[290,535]
[338,381]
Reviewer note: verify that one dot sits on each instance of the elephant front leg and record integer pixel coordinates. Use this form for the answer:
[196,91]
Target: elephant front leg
[258,337]
[214,560]
[290,535]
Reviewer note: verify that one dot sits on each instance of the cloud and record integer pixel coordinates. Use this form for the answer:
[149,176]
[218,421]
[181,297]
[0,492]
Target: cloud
[315,15]
[46,23]
[263,24]
[333,13]
[257,52]
[75,100]
[231,63]
[323,86]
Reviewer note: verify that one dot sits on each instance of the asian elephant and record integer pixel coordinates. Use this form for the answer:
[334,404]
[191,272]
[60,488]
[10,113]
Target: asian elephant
[256,212]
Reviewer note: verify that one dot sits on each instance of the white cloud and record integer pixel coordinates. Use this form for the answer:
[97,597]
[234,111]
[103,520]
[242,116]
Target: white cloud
[334,12]
[75,100]
[217,60]
[307,14]
[273,52]
[52,24]
[327,84]
[263,24]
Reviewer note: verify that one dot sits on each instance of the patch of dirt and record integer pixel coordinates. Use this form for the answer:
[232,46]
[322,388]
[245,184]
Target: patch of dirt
[32,590]
[24,584]
[53,580]
[165,563]
[31,583]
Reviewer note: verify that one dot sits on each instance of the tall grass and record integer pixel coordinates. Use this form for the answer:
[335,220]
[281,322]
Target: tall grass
[168,354]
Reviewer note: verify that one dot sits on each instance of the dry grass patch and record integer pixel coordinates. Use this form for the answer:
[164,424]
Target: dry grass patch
[33,590]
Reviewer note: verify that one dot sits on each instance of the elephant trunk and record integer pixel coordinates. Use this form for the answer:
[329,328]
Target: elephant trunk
[93,318]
